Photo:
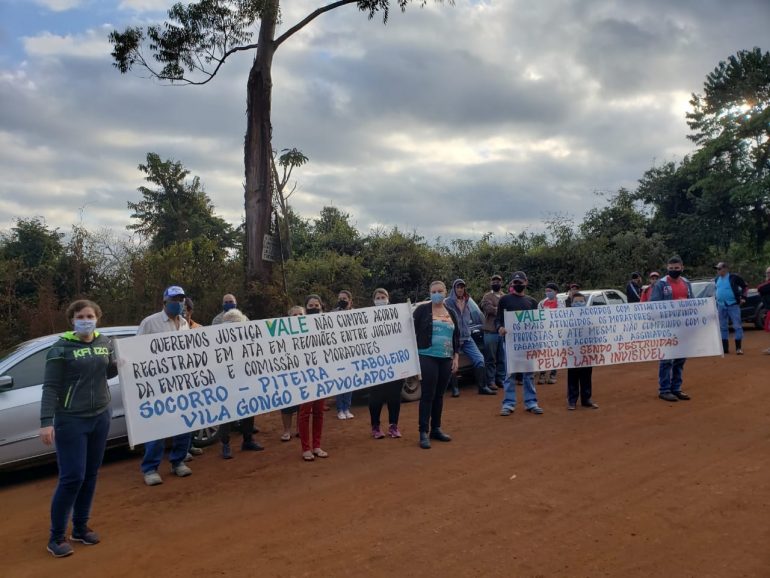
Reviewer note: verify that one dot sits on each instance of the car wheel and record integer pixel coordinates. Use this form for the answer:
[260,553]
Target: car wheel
[206,436]
[412,389]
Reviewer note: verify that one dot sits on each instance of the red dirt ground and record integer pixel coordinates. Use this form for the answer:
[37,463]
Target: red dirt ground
[640,487]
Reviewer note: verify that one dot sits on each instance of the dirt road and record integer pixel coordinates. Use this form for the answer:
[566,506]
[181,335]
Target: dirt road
[639,487]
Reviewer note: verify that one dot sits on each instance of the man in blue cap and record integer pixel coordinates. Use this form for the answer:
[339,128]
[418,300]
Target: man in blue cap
[171,318]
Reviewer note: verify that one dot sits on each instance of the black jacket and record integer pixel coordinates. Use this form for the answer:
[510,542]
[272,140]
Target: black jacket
[633,292]
[76,376]
[512,302]
[423,327]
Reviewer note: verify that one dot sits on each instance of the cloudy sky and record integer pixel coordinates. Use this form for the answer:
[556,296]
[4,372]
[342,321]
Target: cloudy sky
[488,116]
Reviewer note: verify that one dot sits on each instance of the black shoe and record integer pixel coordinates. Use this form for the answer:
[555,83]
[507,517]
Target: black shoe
[681,395]
[439,435]
[455,391]
[85,535]
[493,386]
[486,391]
[424,441]
[59,548]
[668,397]
[251,446]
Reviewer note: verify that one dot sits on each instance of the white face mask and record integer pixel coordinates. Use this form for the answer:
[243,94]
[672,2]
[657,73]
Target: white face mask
[84,326]
[381,301]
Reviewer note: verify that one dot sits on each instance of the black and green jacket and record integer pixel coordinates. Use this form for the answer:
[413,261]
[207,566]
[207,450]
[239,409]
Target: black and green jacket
[76,376]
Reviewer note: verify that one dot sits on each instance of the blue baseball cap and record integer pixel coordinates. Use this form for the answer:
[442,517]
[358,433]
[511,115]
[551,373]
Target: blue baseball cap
[173,291]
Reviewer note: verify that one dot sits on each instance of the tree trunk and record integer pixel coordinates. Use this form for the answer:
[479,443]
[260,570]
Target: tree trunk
[257,149]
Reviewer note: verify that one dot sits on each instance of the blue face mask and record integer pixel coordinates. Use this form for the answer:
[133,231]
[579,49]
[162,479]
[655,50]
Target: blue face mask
[228,306]
[174,308]
[84,326]
[578,303]
[437,298]
[550,294]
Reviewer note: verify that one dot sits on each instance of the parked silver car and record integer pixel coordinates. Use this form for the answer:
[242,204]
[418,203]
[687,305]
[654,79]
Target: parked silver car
[21,387]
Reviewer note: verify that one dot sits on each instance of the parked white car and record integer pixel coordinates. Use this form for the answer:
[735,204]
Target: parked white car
[599,297]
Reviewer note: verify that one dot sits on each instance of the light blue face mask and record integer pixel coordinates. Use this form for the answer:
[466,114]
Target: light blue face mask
[578,303]
[437,298]
[84,326]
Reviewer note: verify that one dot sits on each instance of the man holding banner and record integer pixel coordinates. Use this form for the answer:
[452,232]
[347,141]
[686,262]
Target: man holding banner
[672,287]
[170,319]
[517,301]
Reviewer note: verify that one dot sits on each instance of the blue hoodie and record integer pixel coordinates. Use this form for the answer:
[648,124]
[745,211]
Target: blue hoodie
[470,318]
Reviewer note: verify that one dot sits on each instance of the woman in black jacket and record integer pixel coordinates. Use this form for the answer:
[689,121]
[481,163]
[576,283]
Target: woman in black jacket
[75,415]
[438,344]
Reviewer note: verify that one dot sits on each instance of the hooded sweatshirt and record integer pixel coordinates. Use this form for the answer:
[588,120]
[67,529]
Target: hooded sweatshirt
[76,376]
[470,317]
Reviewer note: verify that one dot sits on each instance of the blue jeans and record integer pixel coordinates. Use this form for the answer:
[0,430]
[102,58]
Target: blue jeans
[344,401]
[729,313]
[670,375]
[469,348]
[528,381]
[494,352]
[530,393]
[80,443]
[153,452]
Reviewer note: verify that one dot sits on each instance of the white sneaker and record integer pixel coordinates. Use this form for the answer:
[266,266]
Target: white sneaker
[341,415]
[349,415]
[152,478]
[181,470]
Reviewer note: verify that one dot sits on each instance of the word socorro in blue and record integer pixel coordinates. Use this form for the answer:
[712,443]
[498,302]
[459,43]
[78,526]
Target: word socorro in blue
[197,404]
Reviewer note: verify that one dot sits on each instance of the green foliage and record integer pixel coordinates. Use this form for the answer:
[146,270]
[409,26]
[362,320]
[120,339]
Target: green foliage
[195,36]
[326,274]
[175,210]
[730,123]
[404,264]
[33,251]
[331,231]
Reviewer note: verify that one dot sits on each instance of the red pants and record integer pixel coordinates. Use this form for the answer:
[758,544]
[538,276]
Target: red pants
[316,408]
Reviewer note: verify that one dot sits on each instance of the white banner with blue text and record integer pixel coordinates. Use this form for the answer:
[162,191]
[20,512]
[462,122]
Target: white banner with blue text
[544,339]
[187,380]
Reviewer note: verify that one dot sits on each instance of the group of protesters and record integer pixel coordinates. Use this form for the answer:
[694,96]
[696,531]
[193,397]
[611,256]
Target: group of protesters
[75,414]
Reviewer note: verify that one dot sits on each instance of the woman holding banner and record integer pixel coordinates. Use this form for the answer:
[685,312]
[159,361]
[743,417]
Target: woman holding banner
[75,416]
[386,393]
[343,401]
[247,423]
[313,305]
[288,412]
[438,345]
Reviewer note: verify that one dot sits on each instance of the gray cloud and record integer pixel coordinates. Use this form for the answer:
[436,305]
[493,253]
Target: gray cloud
[482,117]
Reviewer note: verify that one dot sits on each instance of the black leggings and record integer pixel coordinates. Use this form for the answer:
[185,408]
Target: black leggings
[389,393]
[579,383]
[436,372]
[247,429]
